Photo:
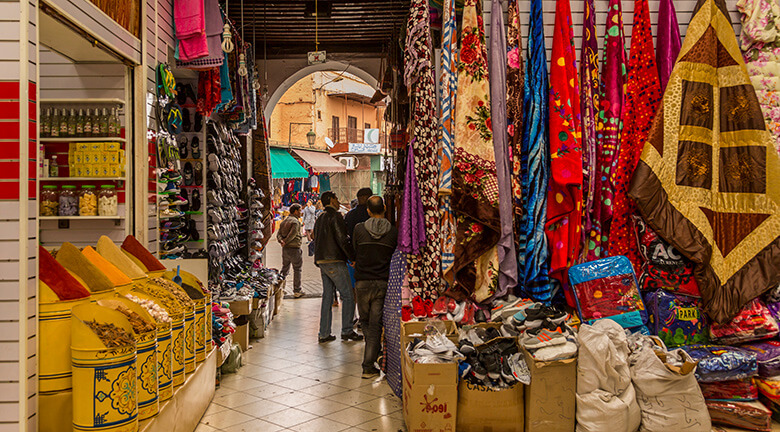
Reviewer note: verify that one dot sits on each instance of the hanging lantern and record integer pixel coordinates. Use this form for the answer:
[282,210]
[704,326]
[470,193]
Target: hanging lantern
[227,39]
[242,65]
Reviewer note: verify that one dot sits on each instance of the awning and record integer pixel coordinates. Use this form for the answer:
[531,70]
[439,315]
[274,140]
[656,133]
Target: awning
[321,162]
[283,165]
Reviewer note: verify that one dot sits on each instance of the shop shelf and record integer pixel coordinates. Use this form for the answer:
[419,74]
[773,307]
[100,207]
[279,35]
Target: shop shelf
[74,179]
[83,139]
[193,212]
[80,217]
[191,186]
[84,101]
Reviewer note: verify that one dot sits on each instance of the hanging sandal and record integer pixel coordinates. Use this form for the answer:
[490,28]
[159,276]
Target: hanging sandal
[195,147]
[195,201]
[183,145]
[198,173]
[185,120]
[188,174]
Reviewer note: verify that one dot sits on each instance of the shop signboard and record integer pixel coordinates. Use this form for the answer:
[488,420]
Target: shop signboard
[365,148]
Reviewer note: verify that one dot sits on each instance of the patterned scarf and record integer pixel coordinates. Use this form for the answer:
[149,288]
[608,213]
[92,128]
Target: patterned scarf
[475,194]
[536,159]
[449,85]
[589,85]
[613,76]
[411,226]
[668,41]
[507,257]
[643,94]
[424,268]
[515,77]
[708,181]
[564,199]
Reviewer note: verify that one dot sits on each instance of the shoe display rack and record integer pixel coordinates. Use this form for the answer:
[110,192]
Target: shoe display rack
[254,197]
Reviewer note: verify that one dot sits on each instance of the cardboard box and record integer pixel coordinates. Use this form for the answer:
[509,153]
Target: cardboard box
[430,396]
[243,307]
[241,336]
[481,409]
[78,157]
[410,330]
[111,146]
[550,400]
[82,146]
[96,147]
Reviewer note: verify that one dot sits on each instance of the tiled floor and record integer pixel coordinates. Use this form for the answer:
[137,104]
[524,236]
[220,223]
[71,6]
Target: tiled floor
[311,281]
[290,382]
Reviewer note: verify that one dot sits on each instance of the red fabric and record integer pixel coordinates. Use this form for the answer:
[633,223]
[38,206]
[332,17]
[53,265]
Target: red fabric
[209,91]
[564,200]
[53,274]
[643,95]
[134,248]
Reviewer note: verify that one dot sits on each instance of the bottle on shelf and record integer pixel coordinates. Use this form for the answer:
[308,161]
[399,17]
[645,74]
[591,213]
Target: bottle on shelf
[53,170]
[80,123]
[46,123]
[72,123]
[104,123]
[111,124]
[54,124]
[64,123]
[88,123]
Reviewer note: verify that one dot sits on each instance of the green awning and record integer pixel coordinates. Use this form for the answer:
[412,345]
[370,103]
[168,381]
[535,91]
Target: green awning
[283,165]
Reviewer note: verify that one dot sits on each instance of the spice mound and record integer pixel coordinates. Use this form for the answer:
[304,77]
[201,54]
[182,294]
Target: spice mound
[139,325]
[111,335]
[157,312]
[174,289]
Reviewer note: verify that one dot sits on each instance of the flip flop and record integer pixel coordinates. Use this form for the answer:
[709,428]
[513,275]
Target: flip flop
[195,147]
[183,145]
[195,201]
[198,173]
[188,174]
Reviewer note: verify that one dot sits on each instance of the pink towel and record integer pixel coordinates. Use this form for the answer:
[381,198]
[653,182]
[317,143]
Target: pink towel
[189,17]
[194,47]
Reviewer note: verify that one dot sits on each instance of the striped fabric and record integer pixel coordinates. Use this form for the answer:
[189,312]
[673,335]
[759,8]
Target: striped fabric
[449,84]
[536,159]
[589,88]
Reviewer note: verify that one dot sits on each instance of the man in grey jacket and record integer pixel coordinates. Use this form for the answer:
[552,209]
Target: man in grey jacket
[374,241]
[289,236]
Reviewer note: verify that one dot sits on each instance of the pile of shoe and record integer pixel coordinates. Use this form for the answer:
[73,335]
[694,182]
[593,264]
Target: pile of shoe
[255,225]
[221,322]
[435,348]
[493,358]
[444,308]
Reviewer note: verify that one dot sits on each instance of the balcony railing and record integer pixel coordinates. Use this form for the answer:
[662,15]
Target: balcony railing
[351,135]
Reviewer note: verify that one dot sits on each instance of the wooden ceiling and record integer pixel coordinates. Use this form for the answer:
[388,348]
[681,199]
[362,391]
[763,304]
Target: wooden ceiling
[345,26]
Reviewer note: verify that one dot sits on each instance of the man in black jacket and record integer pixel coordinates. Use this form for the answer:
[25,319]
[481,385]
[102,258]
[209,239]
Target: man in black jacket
[331,252]
[374,241]
[359,213]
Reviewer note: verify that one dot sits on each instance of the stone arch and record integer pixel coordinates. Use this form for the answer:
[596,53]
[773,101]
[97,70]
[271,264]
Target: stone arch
[330,66]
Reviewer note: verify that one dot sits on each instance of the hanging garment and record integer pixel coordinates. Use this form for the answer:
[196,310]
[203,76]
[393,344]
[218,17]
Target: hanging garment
[710,185]
[515,78]
[760,41]
[424,268]
[507,257]
[475,187]
[214,26]
[668,41]
[613,81]
[449,85]
[589,86]
[209,91]
[189,19]
[411,227]
[564,198]
[643,94]
[536,160]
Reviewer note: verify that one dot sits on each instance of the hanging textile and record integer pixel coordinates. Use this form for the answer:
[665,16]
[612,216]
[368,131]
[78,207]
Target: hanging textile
[536,159]
[613,81]
[475,187]
[411,227]
[564,199]
[668,41]
[760,41]
[507,257]
[515,77]
[424,268]
[449,85]
[643,94]
[710,184]
[589,86]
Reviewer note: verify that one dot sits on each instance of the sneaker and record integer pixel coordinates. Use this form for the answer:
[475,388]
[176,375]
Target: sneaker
[491,362]
[326,339]
[170,213]
[298,294]
[509,331]
[503,310]
[553,314]
[440,344]
[492,333]
[519,368]
[563,351]
[178,200]
[370,373]
[534,317]
[466,347]
[540,338]
[506,371]
[351,337]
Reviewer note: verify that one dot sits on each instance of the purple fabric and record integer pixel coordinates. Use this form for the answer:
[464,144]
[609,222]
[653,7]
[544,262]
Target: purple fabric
[411,227]
[768,356]
[507,256]
[668,41]
[214,25]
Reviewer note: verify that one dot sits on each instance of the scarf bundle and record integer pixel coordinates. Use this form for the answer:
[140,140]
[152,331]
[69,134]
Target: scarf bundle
[589,86]
[449,86]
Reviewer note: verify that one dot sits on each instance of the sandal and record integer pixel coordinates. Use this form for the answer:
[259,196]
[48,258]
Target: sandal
[198,173]
[185,120]
[195,144]
[198,122]
[195,201]
[183,144]
[188,174]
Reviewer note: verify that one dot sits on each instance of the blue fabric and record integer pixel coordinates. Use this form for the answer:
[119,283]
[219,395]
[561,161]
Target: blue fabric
[224,81]
[720,362]
[392,321]
[335,277]
[535,159]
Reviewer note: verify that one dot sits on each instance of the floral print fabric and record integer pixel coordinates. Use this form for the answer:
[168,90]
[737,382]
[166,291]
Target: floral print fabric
[564,199]
[589,86]
[449,85]
[643,95]
[424,268]
[515,79]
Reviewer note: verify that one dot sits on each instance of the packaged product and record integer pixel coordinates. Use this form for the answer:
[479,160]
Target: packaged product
[720,362]
[754,322]
[662,265]
[676,319]
[607,288]
[731,390]
[768,356]
[769,388]
[746,415]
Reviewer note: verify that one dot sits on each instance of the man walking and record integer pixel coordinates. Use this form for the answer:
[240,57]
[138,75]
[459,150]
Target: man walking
[331,252]
[289,236]
[374,241]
